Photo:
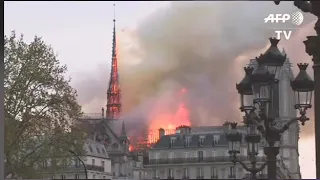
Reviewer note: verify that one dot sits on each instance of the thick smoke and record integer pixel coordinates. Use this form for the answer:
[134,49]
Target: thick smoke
[200,46]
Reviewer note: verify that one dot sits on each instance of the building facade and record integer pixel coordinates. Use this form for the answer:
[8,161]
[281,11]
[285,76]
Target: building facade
[201,153]
[97,162]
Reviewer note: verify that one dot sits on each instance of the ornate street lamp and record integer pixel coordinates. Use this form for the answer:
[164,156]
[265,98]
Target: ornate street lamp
[273,59]
[253,140]
[263,81]
[313,49]
[245,90]
[234,141]
[303,87]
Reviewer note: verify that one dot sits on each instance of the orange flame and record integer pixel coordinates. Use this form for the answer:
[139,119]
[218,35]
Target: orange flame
[169,121]
[131,148]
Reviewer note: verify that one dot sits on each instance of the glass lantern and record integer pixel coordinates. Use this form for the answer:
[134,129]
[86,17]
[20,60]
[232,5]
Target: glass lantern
[303,98]
[303,87]
[234,140]
[253,141]
[245,90]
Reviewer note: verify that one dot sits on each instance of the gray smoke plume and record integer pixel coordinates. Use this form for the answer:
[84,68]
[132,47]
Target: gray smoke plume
[200,46]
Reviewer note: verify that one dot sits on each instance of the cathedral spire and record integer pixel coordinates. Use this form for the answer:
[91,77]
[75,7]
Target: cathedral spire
[123,130]
[114,93]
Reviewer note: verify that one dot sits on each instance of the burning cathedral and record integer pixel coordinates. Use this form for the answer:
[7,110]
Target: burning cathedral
[108,128]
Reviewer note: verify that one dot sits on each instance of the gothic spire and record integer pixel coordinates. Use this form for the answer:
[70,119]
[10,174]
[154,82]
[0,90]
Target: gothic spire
[114,93]
[114,52]
[123,130]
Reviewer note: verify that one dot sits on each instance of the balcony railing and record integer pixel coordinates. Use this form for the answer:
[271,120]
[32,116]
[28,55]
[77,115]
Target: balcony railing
[200,160]
[232,176]
[89,167]
[214,177]
[95,168]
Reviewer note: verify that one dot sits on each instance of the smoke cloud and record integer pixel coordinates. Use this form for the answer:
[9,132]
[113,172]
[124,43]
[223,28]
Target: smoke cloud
[200,46]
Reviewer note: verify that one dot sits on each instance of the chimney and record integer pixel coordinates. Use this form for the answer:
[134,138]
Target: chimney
[102,113]
[161,132]
[226,126]
[183,129]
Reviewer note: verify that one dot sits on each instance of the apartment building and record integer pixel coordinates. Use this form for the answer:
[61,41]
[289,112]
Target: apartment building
[97,162]
[201,153]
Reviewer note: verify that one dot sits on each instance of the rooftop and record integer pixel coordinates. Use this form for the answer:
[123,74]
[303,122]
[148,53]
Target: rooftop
[205,136]
[95,149]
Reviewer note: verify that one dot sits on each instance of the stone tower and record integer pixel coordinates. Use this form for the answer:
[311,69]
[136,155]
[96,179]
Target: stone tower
[289,143]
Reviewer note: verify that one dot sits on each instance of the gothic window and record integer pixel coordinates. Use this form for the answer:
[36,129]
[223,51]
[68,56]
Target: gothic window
[98,150]
[104,139]
[115,146]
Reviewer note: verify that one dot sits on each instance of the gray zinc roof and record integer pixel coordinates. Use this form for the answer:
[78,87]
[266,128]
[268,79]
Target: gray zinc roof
[95,149]
[164,141]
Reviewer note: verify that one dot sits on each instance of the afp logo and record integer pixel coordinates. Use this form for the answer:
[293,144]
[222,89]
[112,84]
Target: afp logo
[296,18]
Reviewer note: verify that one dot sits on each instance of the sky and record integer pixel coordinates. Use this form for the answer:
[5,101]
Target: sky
[81,35]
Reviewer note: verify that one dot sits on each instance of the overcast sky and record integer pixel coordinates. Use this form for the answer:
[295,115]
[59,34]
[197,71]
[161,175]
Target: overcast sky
[81,34]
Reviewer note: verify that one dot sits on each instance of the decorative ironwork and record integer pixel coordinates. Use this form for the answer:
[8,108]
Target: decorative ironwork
[201,160]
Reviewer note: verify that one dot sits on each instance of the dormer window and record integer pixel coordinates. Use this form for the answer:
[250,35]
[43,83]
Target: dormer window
[172,141]
[216,139]
[201,140]
[187,141]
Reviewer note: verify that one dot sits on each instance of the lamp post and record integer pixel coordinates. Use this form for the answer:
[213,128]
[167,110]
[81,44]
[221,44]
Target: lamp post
[263,80]
[313,49]
[84,166]
[253,139]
